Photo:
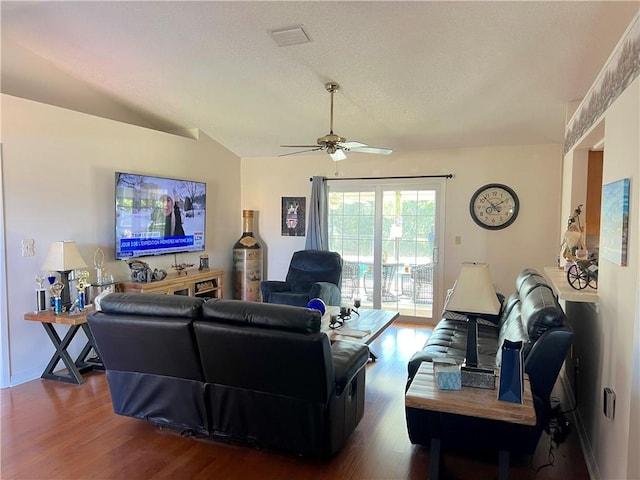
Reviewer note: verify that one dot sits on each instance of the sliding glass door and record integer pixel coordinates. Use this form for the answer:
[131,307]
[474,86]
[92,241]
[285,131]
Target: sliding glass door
[388,235]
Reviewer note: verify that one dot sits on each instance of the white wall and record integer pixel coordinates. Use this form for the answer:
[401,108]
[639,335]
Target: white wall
[58,177]
[607,336]
[618,292]
[534,172]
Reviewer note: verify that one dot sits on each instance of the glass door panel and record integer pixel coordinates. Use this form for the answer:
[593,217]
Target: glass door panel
[387,237]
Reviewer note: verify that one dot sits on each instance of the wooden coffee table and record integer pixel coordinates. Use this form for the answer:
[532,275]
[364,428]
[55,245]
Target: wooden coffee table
[365,327]
[474,402]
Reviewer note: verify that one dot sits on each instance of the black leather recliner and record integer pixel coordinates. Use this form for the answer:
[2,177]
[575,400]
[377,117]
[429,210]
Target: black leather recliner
[250,372]
[312,274]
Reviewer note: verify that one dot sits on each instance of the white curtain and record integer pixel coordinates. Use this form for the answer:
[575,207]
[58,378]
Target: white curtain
[317,229]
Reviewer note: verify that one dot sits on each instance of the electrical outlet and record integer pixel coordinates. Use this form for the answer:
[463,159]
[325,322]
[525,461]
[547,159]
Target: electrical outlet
[28,247]
[458,240]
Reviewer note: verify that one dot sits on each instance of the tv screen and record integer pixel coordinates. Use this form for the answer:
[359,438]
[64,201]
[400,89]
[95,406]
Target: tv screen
[156,215]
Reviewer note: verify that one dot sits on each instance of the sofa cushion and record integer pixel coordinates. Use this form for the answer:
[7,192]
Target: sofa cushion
[295,299]
[348,360]
[528,284]
[266,315]
[512,329]
[310,266]
[523,275]
[174,306]
[540,312]
[449,339]
[151,344]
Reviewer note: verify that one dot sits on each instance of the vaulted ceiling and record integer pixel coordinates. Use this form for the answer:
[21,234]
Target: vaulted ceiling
[413,75]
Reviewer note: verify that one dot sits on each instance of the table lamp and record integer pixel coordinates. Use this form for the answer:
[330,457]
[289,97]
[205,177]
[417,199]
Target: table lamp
[473,295]
[63,258]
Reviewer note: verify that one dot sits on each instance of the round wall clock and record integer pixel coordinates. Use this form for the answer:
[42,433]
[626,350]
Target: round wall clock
[494,206]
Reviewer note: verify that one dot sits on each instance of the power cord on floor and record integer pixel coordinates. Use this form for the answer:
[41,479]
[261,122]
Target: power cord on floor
[551,458]
[558,429]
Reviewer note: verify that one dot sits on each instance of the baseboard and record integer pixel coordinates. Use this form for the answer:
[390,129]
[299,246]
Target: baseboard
[24,377]
[585,445]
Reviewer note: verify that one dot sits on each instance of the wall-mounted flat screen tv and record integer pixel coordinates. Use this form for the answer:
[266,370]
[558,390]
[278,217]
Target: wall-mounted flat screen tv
[157,215]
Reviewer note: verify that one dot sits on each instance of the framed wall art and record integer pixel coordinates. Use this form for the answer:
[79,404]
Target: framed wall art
[614,231]
[293,216]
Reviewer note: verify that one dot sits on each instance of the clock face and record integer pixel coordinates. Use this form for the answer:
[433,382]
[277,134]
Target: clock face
[494,206]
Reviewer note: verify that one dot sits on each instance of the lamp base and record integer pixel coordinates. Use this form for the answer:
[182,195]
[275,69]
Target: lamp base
[65,295]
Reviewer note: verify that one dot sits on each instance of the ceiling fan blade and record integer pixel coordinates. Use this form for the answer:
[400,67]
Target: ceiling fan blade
[337,155]
[379,151]
[350,145]
[299,146]
[301,151]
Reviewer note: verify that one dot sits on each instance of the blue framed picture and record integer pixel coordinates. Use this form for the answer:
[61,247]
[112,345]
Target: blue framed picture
[614,231]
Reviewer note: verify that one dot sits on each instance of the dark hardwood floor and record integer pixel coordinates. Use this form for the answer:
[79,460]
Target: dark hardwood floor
[53,430]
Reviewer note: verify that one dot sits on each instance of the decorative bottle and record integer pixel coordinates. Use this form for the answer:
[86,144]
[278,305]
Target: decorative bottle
[247,262]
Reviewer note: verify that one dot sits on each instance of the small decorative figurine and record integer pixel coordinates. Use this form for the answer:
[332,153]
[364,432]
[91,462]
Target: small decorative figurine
[204,262]
[56,291]
[182,267]
[51,278]
[140,271]
[98,263]
[82,284]
[41,297]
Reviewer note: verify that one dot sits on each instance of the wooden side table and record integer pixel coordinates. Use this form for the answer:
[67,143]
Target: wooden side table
[474,402]
[80,365]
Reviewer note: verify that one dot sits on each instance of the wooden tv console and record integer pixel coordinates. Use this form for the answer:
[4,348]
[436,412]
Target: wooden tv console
[198,283]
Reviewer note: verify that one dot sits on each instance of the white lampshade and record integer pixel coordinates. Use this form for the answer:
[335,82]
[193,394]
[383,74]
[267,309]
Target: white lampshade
[473,292]
[63,256]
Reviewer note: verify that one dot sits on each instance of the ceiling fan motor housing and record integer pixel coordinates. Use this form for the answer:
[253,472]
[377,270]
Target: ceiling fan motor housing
[330,139]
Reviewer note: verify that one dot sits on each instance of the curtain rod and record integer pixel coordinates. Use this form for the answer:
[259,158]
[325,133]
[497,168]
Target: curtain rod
[448,175]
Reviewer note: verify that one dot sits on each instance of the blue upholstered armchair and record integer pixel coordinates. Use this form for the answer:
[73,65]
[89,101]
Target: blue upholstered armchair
[312,274]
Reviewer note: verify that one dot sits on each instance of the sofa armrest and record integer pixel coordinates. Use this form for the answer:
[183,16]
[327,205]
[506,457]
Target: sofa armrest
[415,362]
[269,286]
[348,359]
[544,361]
[328,292]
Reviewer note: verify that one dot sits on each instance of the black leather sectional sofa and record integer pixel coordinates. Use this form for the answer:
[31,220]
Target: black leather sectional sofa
[531,315]
[250,372]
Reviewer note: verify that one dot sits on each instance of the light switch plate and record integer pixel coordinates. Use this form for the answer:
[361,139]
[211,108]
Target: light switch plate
[28,247]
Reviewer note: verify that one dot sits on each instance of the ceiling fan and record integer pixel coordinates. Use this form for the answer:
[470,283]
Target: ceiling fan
[335,145]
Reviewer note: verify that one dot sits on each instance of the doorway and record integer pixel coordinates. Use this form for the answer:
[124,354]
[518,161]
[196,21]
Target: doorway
[388,233]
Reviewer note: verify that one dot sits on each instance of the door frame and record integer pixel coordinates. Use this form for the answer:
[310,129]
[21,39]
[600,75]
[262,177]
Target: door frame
[427,183]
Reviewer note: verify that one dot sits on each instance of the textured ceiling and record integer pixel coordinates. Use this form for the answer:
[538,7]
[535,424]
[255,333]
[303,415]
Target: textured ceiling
[413,75]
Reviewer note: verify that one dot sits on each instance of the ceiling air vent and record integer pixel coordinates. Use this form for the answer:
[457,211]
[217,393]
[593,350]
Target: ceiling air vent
[290,36]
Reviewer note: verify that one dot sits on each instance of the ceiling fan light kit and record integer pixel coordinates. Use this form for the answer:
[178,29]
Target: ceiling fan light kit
[335,145]
[337,155]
